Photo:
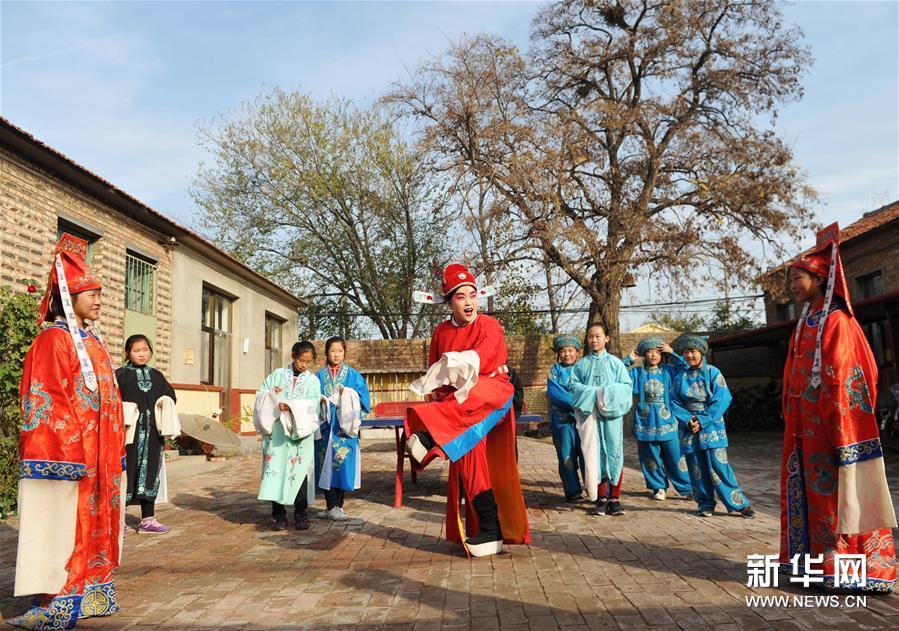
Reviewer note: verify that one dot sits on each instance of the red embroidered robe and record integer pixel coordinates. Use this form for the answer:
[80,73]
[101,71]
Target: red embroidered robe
[834,498]
[70,434]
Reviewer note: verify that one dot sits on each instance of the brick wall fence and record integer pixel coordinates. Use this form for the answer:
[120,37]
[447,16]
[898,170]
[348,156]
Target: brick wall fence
[390,365]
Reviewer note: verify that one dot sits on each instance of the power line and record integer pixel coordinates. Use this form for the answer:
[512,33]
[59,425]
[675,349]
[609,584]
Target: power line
[637,308]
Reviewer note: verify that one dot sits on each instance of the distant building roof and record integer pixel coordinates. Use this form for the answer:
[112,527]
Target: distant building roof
[20,141]
[870,221]
[652,328]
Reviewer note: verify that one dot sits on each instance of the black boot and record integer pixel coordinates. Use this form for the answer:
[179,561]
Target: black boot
[489,539]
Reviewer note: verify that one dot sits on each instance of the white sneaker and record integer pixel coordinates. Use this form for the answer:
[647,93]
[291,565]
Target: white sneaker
[660,495]
[337,514]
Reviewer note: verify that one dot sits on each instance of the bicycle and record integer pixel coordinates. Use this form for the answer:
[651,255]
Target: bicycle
[755,407]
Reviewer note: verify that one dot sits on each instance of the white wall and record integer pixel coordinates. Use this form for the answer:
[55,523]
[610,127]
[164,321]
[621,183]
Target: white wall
[189,272]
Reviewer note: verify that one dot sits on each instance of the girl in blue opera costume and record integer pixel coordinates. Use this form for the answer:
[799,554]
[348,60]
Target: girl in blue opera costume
[600,419]
[699,398]
[561,417]
[338,459]
[655,427]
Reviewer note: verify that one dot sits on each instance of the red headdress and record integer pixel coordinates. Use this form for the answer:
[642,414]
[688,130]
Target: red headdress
[78,276]
[455,275]
[824,261]
[71,275]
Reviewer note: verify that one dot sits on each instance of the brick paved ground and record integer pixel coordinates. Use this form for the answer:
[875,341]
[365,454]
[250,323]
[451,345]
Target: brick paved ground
[655,567]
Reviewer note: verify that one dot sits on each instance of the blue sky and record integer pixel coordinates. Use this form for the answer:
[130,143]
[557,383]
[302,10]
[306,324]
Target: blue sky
[120,87]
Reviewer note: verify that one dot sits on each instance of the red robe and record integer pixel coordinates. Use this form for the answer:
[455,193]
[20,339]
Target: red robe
[70,433]
[834,498]
[488,462]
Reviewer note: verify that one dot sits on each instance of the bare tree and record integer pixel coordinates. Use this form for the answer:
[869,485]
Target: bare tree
[634,136]
[329,200]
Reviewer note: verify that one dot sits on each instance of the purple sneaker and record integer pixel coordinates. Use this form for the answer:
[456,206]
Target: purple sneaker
[150,526]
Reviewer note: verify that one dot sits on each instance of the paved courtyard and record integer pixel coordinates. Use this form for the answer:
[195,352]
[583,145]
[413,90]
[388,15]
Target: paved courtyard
[657,566]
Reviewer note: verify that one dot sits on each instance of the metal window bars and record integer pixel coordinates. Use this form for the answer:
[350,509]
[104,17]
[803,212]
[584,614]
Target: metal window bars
[140,285]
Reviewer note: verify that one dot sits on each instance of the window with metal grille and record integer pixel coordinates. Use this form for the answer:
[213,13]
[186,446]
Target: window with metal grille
[140,285]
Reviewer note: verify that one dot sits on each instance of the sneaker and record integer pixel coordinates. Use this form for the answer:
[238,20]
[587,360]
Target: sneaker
[337,514]
[659,495]
[701,512]
[279,523]
[301,522]
[150,526]
[614,509]
[748,513]
[599,509]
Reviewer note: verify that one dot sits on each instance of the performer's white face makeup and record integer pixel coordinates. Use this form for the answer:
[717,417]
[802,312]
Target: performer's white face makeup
[464,305]
[568,355]
[805,287]
[693,357]
[597,338]
[303,361]
[336,353]
[86,305]
[140,353]
[653,357]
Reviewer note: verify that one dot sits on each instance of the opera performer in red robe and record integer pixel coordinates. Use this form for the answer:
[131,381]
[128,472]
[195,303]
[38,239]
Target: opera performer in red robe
[469,420]
[72,447]
[834,495]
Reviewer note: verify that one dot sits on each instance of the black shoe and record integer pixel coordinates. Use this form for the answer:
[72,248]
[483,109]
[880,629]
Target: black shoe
[614,509]
[489,539]
[577,498]
[279,523]
[748,513]
[301,522]
[599,507]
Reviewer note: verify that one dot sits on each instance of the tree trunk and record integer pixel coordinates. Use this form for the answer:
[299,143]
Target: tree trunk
[551,295]
[605,307]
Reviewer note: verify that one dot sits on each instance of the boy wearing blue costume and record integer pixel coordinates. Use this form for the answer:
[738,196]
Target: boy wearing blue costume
[561,416]
[655,427]
[699,398]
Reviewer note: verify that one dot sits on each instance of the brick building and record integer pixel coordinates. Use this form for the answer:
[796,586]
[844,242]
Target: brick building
[870,254]
[217,325]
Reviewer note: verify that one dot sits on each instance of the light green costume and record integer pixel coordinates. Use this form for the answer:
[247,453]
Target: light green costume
[602,370]
[286,460]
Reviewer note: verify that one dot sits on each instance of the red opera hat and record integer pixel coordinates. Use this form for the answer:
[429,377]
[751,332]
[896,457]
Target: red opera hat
[819,262]
[456,275]
[79,277]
